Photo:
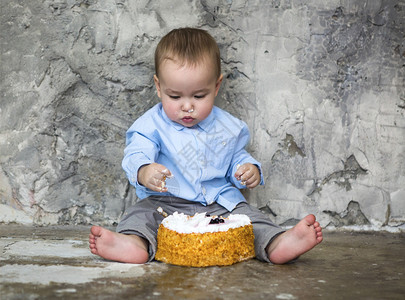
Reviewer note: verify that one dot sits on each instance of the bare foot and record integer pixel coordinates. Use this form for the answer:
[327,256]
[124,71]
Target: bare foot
[296,241]
[117,246]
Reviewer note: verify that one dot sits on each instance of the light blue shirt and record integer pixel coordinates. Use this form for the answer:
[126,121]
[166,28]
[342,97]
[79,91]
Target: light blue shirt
[203,159]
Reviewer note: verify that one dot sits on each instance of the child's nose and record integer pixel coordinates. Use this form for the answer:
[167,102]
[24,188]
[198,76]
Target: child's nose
[187,106]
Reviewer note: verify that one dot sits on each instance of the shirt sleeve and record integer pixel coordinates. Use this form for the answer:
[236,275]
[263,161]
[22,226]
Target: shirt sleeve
[241,156]
[142,148]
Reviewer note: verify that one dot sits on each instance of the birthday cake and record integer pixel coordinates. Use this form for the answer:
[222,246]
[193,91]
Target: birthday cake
[202,240]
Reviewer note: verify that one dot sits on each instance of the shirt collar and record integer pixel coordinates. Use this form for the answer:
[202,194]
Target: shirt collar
[204,124]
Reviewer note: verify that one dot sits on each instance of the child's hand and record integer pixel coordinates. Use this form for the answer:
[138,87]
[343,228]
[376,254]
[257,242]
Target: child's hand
[154,176]
[249,175]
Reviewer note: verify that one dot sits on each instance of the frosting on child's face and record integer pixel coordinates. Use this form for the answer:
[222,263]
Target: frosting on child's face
[187,92]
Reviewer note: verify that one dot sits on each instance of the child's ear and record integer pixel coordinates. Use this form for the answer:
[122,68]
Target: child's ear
[157,85]
[218,84]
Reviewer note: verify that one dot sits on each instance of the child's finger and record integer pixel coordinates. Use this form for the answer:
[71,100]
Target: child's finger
[246,176]
[166,172]
[158,185]
[240,170]
[253,182]
[161,174]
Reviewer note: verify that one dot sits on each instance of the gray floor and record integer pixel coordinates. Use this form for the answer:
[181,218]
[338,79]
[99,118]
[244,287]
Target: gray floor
[54,262]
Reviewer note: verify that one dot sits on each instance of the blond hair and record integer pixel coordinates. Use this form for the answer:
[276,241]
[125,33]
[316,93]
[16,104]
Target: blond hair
[188,46]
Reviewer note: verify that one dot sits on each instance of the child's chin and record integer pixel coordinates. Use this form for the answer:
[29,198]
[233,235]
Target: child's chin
[188,124]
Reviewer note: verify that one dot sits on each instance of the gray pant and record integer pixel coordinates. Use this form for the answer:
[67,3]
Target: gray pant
[143,219]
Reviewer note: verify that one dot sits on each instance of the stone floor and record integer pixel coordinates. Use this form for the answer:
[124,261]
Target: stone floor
[54,262]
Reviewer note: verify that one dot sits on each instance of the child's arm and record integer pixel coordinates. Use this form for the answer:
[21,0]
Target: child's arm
[249,175]
[153,176]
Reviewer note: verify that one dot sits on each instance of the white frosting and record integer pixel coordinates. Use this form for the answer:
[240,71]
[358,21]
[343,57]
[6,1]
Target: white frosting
[199,223]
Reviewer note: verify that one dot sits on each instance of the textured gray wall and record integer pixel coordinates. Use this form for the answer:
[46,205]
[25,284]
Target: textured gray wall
[320,84]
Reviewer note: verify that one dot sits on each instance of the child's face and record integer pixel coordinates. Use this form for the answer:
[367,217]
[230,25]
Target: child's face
[187,92]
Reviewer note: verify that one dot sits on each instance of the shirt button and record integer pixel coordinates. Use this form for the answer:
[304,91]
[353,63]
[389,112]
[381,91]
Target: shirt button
[223,143]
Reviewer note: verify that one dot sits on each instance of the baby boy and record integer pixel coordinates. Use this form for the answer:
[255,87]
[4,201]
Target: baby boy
[187,155]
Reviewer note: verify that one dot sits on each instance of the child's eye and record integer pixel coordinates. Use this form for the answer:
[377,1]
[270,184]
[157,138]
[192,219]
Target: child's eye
[174,97]
[199,96]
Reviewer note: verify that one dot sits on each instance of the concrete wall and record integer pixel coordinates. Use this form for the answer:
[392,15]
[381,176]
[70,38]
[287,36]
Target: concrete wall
[320,84]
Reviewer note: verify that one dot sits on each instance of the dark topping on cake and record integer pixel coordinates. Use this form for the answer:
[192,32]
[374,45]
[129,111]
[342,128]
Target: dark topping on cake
[217,220]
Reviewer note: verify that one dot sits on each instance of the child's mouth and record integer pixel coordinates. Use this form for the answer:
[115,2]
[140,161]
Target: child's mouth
[187,119]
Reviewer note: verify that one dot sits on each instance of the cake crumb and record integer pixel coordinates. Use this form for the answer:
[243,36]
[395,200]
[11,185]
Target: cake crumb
[162,212]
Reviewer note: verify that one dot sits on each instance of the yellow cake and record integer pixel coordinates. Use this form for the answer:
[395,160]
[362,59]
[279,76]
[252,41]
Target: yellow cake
[201,241]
